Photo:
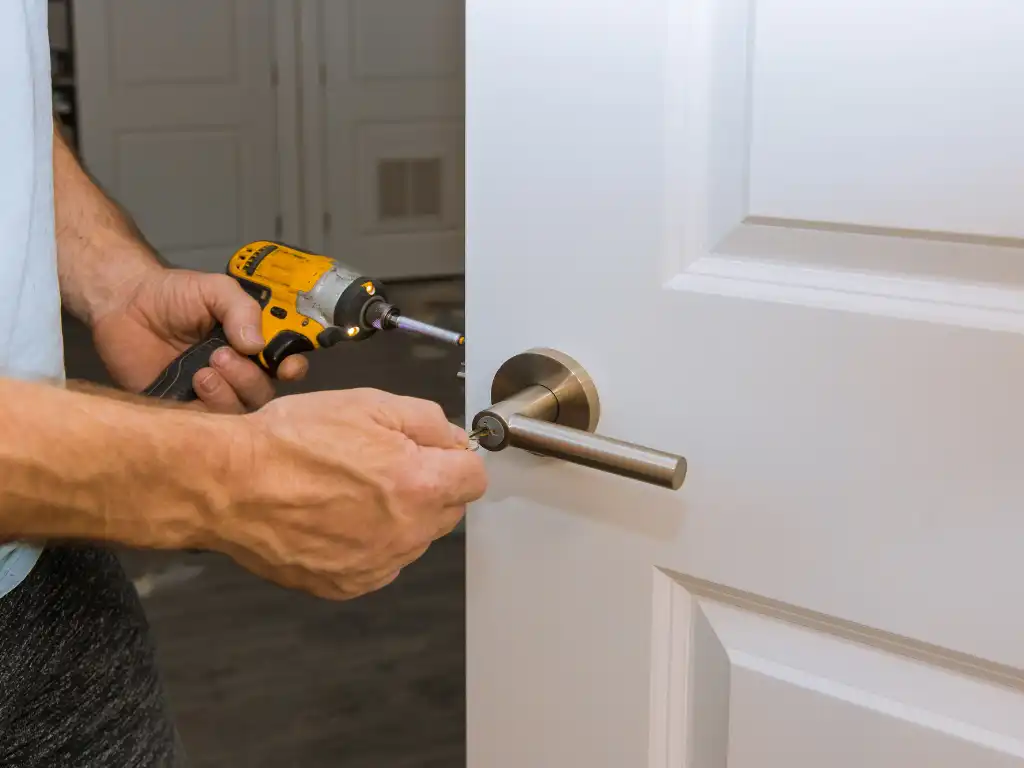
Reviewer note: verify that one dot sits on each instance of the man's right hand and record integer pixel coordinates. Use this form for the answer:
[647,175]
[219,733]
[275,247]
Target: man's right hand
[335,492]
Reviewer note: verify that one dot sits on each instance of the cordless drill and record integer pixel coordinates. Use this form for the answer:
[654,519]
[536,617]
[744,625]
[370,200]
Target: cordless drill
[308,301]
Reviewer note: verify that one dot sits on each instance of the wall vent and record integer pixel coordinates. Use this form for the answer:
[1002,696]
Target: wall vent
[409,189]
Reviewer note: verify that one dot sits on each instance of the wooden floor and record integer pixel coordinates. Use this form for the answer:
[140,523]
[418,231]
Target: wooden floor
[265,678]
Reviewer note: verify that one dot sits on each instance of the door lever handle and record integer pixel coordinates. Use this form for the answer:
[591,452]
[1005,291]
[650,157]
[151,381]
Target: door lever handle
[545,402]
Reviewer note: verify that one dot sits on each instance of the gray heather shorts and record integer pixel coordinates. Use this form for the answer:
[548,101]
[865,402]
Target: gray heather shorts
[78,681]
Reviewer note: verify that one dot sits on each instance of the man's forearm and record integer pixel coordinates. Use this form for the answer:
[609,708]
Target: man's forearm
[88,467]
[99,250]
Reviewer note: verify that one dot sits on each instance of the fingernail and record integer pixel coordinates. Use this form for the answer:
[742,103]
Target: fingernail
[208,381]
[252,335]
[221,357]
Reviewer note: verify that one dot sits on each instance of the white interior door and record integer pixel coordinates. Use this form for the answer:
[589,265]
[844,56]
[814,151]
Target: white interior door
[179,120]
[785,237]
[383,134]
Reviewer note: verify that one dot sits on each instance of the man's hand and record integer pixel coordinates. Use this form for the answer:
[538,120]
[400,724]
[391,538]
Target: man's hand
[142,314]
[335,492]
[163,312]
[332,493]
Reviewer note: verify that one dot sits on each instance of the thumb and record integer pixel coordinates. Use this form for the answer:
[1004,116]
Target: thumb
[236,310]
[422,421]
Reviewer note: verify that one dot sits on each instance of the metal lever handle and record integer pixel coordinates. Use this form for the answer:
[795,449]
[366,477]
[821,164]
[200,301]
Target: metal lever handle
[607,454]
[546,403]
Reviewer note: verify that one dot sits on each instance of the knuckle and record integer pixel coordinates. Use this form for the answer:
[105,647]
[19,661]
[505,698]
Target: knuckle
[388,580]
[225,360]
[410,540]
[340,591]
[436,412]
[366,394]
[423,486]
[244,374]
[417,553]
[426,410]
[351,587]
[360,399]
[211,287]
[452,519]
[252,376]
[429,407]
[220,282]
[230,361]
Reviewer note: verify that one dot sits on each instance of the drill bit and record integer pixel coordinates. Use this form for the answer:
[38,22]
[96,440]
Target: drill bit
[383,316]
[426,329]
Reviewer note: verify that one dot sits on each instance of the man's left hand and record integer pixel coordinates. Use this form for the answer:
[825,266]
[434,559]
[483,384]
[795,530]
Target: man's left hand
[168,310]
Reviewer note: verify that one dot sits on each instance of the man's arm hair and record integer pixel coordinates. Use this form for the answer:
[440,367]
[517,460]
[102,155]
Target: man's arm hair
[80,462]
[100,251]
[80,465]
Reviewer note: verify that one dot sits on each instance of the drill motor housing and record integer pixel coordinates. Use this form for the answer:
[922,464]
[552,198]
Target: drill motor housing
[308,301]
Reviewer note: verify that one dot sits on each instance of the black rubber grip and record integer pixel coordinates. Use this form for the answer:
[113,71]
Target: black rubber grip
[175,383]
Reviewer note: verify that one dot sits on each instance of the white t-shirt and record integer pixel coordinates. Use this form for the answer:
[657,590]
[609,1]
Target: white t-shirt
[31,345]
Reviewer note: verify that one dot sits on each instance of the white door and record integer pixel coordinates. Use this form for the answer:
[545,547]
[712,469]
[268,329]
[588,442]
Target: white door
[179,120]
[786,237]
[383,134]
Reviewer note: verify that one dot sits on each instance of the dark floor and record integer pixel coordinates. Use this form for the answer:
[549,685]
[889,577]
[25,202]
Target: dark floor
[265,678]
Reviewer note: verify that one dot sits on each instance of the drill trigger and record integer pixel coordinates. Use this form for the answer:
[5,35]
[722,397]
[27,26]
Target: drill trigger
[284,344]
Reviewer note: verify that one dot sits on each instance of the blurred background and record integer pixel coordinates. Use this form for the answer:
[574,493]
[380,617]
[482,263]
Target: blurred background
[337,126]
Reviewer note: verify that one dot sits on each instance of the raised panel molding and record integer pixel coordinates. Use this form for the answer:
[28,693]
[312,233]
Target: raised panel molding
[897,114]
[181,122]
[988,307]
[384,138]
[147,40]
[735,225]
[407,40]
[779,685]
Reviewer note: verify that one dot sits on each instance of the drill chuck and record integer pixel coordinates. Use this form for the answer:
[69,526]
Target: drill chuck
[379,314]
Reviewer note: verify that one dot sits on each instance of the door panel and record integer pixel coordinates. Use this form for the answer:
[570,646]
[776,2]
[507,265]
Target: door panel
[914,134]
[179,120]
[784,250]
[385,178]
[838,694]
